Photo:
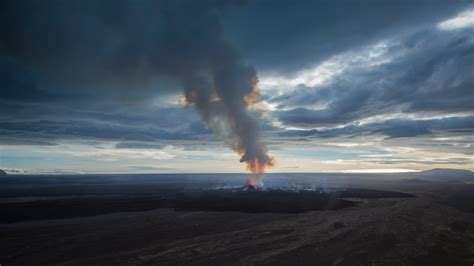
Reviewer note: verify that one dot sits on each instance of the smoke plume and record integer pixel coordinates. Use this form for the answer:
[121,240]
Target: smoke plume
[222,95]
[222,100]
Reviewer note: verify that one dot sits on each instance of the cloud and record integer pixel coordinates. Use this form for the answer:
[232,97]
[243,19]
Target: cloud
[139,145]
[333,67]
[39,124]
[464,19]
[124,49]
[133,51]
[424,72]
[391,128]
[111,155]
[148,168]
[282,37]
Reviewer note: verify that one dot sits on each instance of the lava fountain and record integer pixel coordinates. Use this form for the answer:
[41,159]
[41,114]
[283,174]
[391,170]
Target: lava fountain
[251,184]
[257,168]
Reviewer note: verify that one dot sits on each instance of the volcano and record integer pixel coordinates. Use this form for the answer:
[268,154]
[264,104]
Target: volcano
[251,185]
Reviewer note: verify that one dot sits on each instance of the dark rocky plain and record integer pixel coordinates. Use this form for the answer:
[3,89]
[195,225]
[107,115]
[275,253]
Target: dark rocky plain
[299,219]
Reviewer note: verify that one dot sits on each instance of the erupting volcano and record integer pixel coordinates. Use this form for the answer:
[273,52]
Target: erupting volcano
[257,167]
[251,184]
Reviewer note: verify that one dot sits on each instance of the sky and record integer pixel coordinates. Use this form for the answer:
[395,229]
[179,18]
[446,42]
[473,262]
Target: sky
[345,86]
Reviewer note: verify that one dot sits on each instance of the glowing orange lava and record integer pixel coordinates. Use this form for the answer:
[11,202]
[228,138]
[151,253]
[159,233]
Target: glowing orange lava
[251,183]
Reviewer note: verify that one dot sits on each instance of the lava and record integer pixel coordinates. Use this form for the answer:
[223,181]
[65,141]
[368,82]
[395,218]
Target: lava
[251,184]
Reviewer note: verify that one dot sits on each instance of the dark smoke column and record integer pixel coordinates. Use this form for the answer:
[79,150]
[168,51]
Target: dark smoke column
[223,96]
[218,84]
[223,102]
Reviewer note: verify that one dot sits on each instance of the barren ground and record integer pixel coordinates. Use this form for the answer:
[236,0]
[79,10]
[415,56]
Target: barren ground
[430,229]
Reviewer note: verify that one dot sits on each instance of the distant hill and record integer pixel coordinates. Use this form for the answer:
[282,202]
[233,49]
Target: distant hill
[3,173]
[446,175]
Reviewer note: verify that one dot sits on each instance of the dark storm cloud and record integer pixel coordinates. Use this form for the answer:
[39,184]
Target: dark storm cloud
[135,49]
[17,84]
[142,126]
[433,75]
[407,128]
[286,36]
[66,69]
[395,128]
[123,47]
[55,129]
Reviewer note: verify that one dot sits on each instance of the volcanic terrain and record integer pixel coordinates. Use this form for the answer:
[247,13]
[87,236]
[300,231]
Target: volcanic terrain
[168,220]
